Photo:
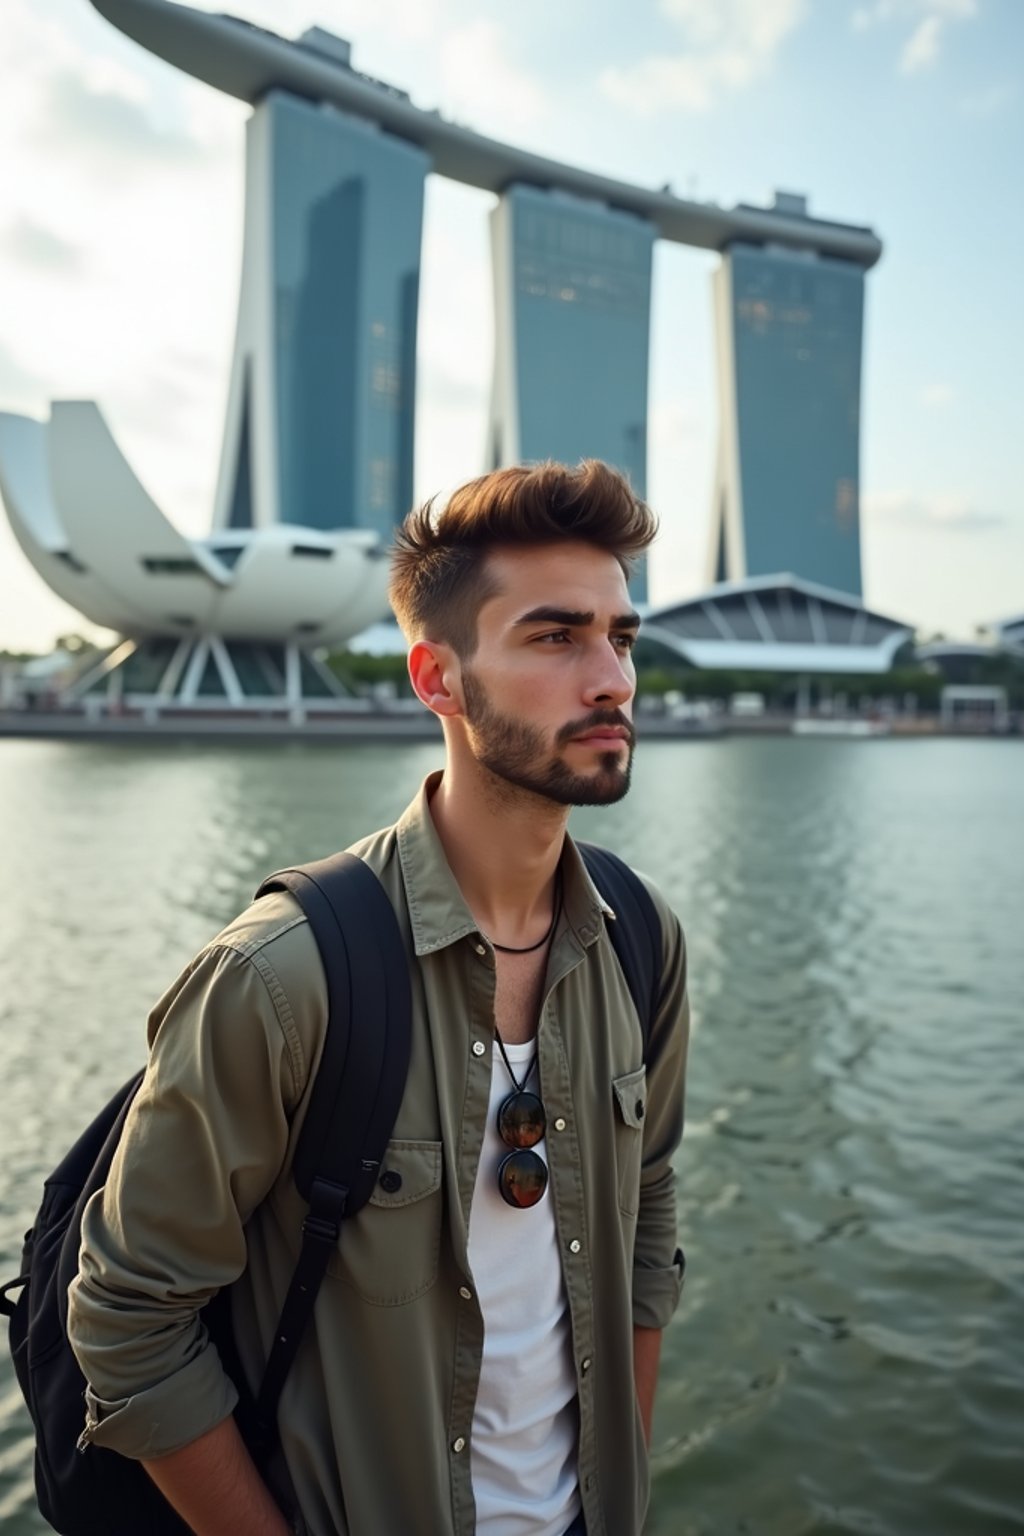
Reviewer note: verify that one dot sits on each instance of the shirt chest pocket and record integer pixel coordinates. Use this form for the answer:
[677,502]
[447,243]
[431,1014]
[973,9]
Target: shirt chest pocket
[388,1252]
[630,1094]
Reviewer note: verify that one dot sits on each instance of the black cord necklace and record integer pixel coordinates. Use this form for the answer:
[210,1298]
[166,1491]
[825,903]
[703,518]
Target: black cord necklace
[517,1085]
[507,949]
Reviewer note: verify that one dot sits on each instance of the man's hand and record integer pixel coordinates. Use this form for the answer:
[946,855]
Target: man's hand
[646,1354]
[215,1488]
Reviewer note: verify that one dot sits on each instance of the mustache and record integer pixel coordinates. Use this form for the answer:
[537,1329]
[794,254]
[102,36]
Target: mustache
[596,718]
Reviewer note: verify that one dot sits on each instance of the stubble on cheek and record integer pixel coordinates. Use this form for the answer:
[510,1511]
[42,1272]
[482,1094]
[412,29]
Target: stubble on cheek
[518,753]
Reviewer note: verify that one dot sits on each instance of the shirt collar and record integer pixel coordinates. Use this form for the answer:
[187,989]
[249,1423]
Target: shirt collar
[437,909]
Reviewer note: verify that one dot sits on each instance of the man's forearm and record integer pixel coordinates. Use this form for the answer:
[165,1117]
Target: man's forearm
[646,1355]
[215,1487]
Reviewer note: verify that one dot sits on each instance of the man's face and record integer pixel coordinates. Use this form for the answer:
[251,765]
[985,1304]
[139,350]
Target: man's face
[548,692]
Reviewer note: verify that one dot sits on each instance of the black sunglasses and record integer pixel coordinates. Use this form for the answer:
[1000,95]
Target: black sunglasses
[522,1173]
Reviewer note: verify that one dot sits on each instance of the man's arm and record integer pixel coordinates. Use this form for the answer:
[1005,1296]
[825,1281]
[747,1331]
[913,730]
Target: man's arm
[205,1138]
[646,1354]
[657,1262]
[215,1488]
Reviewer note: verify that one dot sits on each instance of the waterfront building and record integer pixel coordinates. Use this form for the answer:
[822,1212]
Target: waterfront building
[320,416]
[958,661]
[778,623]
[1010,634]
[572,301]
[965,663]
[229,621]
[317,457]
[787,490]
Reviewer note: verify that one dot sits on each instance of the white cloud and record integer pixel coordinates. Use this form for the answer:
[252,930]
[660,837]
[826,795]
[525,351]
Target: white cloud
[20,386]
[726,45]
[881,11]
[682,433]
[482,83]
[922,46]
[39,245]
[948,512]
[929,19]
[455,340]
[81,117]
[758,25]
[121,253]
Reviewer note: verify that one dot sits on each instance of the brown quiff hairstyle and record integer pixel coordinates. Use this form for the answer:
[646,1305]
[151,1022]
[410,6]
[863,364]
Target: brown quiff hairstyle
[439,575]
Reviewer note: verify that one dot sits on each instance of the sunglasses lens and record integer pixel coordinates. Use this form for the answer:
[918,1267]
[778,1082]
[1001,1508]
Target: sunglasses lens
[521,1120]
[522,1179]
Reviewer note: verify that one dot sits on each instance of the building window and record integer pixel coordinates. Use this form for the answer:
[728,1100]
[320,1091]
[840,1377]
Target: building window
[230,554]
[846,503]
[382,484]
[170,565]
[70,561]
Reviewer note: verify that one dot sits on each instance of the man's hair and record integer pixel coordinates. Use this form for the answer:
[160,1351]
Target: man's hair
[439,574]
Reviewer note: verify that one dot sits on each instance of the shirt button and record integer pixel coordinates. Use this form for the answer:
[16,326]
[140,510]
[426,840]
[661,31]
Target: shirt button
[478,1047]
[390,1181]
[481,949]
[574,1246]
[465,1293]
[458,1445]
[560,1124]
[585,1364]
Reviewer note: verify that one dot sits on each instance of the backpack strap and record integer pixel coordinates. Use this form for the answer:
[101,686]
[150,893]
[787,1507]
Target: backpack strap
[636,931]
[359,1083]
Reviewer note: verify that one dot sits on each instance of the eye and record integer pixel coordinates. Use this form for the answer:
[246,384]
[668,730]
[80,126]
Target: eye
[554,636]
[625,641]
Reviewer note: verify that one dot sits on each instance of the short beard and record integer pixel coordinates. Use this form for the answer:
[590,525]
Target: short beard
[516,751]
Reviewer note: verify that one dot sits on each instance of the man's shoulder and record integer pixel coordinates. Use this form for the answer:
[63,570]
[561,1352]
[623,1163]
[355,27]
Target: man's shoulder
[673,941]
[270,946]
[379,850]
[666,913]
[275,928]
[265,924]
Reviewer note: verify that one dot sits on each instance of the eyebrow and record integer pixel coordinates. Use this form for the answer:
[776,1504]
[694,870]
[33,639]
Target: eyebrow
[576,618]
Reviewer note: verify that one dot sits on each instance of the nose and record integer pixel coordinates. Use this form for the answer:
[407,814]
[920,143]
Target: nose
[610,679]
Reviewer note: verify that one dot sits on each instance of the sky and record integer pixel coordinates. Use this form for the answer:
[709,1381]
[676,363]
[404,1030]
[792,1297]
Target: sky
[121,220]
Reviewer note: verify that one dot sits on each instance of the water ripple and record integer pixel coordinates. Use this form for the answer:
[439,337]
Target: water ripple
[847,1357]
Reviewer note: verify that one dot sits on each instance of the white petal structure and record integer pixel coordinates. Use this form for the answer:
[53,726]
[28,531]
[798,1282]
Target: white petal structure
[28,497]
[96,537]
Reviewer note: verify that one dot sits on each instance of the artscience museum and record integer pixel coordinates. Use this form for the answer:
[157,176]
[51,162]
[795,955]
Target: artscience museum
[229,620]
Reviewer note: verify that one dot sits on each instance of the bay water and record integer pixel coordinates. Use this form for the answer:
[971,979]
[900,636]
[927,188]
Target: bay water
[849,1352]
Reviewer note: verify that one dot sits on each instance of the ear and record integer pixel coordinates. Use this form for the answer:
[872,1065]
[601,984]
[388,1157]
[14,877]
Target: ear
[435,676]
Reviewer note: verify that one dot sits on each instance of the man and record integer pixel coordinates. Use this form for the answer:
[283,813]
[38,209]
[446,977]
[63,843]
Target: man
[484,1350]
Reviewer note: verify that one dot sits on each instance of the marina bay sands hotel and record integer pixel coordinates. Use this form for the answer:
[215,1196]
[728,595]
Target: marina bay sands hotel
[317,455]
[321,415]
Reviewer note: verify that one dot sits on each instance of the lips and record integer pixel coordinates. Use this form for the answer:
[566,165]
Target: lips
[601,728]
[609,735]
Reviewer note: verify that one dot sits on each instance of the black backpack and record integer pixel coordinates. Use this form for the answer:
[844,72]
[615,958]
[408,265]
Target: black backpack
[90,1491]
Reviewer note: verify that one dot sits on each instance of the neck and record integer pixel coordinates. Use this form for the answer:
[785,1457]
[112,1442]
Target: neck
[503,845]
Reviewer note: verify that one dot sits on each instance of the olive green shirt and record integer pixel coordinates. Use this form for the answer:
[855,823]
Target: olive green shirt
[376,1413]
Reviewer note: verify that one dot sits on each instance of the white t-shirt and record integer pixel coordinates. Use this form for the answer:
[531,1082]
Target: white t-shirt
[523,1442]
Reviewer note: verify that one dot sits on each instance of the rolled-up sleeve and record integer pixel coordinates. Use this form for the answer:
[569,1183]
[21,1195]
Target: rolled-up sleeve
[203,1142]
[657,1260]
